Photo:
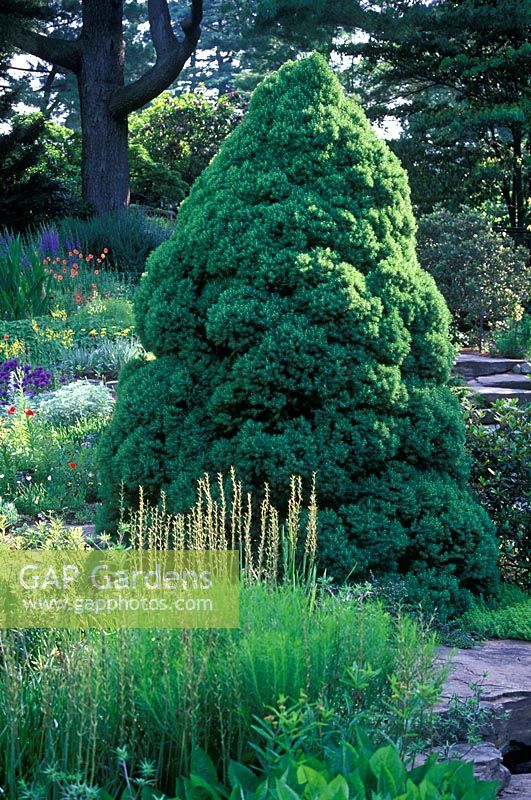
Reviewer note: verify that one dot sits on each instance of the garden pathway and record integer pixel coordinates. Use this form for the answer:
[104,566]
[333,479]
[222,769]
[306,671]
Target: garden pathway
[496,378]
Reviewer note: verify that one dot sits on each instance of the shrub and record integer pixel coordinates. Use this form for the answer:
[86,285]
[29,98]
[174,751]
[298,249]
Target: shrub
[482,275]
[172,141]
[39,171]
[129,237]
[501,478]
[295,332]
[513,340]
[75,401]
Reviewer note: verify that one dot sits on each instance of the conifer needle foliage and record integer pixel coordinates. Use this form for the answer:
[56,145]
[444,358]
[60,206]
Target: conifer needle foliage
[295,332]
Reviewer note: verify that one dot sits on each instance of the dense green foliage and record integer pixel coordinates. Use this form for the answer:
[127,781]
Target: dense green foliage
[292,764]
[501,477]
[513,340]
[39,170]
[509,617]
[172,141]
[295,332]
[483,276]
[202,688]
[127,237]
[457,74]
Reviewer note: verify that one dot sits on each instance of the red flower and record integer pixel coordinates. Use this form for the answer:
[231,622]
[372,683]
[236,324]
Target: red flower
[29,413]
[78,298]
[11,410]
[72,464]
[6,336]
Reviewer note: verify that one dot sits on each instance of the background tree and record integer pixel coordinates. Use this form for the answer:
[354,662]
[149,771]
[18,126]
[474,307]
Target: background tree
[483,276]
[173,139]
[95,54]
[464,66]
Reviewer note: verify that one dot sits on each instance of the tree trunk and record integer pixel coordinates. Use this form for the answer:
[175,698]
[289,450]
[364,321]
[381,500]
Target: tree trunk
[96,57]
[105,173]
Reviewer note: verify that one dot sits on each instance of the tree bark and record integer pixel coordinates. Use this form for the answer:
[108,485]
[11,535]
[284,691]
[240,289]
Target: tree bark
[105,171]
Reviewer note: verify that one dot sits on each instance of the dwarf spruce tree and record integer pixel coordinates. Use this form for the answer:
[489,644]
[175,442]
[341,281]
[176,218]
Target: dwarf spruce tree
[294,332]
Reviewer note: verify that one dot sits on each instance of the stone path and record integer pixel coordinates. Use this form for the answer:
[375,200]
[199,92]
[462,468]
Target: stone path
[503,670]
[496,378]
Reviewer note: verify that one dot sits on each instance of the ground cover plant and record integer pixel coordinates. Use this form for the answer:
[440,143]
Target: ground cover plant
[294,331]
[506,617]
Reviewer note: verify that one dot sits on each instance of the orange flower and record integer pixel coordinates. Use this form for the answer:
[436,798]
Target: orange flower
[78,298]
[72,464]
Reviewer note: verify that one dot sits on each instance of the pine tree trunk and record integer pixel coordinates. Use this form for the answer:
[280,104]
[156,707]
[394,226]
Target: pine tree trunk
[105,172]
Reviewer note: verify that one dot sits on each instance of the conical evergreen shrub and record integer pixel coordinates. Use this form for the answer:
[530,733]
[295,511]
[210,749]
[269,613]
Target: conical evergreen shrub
[295,332]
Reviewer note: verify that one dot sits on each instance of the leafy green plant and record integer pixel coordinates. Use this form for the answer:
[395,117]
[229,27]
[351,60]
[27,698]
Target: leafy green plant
[9,515]
[507,617]
[110,313]
[463,720]
[204,688]
[514,339]
[501,477]
[25,287]
[172,141]
[289,768]
[480,272]
[107,358]
[75,401]
[295,332]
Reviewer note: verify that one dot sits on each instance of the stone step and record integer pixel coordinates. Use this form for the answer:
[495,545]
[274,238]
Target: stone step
[507,380]
[502,669]
[519,788]
[470,365]
[490,394]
